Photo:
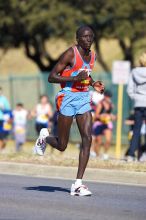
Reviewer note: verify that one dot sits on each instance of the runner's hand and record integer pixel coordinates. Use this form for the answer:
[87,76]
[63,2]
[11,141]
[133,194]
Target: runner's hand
[83,75]
[99,87]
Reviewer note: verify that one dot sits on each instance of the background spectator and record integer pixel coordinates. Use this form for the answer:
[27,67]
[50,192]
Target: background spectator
[137,91]
[102,125]
[141,154]
[20,115]
[43,113]
[5,119]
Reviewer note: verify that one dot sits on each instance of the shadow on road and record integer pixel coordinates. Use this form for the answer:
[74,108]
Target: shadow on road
[47,188]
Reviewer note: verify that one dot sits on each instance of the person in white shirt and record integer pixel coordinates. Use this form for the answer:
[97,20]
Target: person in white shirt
[43,113]
[20,115]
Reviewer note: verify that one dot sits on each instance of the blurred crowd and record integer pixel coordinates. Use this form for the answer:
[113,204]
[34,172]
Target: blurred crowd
[14,122]
[102,128]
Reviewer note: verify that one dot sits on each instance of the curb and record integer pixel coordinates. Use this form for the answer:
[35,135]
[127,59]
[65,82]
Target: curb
[91,174]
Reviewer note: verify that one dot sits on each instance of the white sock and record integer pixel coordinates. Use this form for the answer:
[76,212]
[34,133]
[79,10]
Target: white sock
[78,182]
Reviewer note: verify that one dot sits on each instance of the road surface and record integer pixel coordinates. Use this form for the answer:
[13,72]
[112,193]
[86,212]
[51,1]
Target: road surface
[30,198]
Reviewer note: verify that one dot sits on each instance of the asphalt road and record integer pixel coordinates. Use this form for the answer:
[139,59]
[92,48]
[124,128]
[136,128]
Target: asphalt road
[29,198]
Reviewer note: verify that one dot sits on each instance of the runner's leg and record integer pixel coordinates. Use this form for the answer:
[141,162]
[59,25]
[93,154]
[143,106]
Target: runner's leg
[84,123]
[60,142]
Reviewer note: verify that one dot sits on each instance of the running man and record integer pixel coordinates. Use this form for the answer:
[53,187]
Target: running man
[73,73]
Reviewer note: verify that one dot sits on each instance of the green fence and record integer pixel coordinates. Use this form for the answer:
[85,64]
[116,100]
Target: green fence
[27,89]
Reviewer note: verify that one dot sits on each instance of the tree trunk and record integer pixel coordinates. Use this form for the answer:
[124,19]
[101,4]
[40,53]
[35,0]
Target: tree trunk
[36,57]
[127,51]
[100,57]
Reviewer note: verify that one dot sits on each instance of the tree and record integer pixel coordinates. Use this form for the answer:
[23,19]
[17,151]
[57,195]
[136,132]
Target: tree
[127,24]
[94,14]
[31,23]
[121,20]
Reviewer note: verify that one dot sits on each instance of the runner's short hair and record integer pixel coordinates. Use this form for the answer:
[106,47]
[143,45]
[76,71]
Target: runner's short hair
[83,27]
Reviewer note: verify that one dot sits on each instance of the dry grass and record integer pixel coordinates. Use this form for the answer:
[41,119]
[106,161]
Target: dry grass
[14,61]
[68,158]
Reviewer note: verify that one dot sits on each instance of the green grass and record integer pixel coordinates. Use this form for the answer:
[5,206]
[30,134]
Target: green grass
[67,158]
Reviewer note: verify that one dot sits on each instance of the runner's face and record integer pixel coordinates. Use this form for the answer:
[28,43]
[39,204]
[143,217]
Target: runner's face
[85,39]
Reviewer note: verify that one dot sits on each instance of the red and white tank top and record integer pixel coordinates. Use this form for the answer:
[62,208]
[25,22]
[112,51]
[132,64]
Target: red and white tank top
[79,65]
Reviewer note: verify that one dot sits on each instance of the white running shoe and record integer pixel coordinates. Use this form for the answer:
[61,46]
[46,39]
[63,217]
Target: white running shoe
[130,159]
[105,157]
[143,158]
[40,145]
[93,154]
[80,191]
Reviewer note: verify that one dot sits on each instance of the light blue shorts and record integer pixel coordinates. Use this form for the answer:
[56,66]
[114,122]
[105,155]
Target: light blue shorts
[73,103]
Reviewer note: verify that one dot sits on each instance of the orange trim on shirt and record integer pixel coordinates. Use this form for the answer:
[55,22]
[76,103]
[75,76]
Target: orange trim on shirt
[92,61]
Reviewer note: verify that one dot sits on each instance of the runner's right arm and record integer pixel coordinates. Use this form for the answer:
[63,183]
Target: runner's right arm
[67,59]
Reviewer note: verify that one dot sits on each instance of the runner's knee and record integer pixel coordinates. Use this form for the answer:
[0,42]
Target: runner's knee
[88,139]
[62,146]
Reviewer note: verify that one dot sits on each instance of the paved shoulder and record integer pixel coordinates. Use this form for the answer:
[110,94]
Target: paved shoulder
[96,175]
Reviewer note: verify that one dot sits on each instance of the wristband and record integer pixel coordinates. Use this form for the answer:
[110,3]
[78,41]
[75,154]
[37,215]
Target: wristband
[93,83]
